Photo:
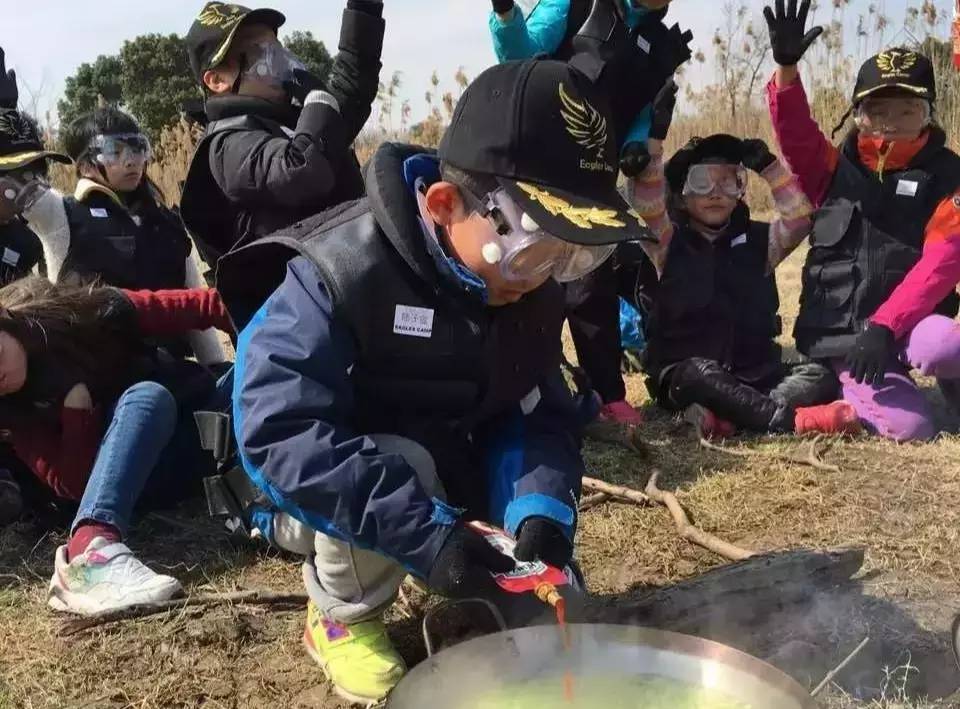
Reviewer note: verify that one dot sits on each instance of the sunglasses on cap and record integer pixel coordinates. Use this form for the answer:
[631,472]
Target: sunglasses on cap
[120,148]
[705,179]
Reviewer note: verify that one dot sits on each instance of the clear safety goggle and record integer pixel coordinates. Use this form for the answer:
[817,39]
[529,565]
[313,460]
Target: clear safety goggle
[22,187]
[271,63]
[704,179]
[121,148]
[524,251]
[893,115]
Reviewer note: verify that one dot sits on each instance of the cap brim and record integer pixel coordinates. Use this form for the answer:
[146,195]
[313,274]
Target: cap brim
[268,17]
[577,219]
[17,160]
[920,91]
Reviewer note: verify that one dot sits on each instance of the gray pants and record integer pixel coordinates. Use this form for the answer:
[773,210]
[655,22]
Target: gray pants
[348,584]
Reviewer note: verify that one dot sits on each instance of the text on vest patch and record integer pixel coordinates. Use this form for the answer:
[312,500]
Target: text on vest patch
[412,321]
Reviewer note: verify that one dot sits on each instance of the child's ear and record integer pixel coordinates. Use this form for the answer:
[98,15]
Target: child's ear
[445,203]
[220,79]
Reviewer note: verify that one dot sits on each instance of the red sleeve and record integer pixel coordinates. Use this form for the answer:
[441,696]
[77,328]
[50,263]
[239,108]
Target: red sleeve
[931,280]
[62,459]
[174,312]
[806,150]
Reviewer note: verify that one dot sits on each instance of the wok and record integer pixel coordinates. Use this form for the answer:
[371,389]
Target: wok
[518,661]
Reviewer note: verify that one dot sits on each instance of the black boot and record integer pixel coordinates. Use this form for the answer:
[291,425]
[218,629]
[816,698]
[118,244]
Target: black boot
[11,500]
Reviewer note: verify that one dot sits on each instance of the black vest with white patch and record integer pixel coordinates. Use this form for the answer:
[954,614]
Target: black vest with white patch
[866,237]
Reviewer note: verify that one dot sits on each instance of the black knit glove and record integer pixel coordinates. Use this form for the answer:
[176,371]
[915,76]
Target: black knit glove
[756,155]
[9,95]
[541,539]
[502,7]
[672,51]
[634,159]
[663,107]
[788,38]
[302,84]
[871,354]
[464,565]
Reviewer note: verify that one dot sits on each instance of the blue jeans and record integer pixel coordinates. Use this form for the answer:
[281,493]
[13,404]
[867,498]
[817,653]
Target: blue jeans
[150,450]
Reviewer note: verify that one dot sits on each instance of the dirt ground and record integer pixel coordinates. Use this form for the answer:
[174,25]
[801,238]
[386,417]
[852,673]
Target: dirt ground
[902,503]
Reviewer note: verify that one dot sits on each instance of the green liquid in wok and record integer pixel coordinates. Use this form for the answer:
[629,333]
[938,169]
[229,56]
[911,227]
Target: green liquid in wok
[614,692]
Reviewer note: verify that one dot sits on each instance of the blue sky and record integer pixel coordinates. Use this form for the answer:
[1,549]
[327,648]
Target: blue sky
[46,40]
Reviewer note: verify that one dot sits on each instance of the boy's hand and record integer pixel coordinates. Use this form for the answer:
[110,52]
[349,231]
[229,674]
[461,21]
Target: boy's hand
[756,155]
[79,398]
[464,565]
[9,95]
[871,354]
[302,84]
[788,38]
[540,539]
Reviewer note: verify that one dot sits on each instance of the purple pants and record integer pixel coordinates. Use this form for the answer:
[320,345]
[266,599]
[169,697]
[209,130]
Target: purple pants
[898,409]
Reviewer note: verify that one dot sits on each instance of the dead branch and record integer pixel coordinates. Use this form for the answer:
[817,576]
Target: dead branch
[261,598]
[618,492]
[590,501]
[689,531]
[835,671]
[811,458]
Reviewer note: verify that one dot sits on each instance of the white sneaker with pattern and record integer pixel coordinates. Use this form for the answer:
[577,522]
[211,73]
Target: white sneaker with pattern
[105,577]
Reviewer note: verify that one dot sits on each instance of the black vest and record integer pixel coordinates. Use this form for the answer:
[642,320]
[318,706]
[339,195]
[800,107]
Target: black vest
[20,251]
[219,225]
[867,235]
[631,74]
[108,244]
[471,364]
[716,301]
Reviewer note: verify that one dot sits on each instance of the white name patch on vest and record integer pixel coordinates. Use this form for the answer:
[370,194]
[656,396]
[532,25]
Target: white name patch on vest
[414,322]
[10,257]
[99,213]
[643,44]
[739,241]
[907,188]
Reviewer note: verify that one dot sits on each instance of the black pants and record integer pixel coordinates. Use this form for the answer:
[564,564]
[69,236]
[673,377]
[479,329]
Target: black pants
[593,312]
[766,404]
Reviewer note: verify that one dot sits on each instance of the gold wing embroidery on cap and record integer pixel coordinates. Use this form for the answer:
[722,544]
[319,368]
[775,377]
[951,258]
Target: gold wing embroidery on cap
[584,123]
[218,14]
[895,61]
[582,217]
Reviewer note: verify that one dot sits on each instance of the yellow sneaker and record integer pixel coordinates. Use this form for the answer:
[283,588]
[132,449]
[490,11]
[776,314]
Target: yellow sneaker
[359,659]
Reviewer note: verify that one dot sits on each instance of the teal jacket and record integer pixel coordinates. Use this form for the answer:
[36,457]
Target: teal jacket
[542,30]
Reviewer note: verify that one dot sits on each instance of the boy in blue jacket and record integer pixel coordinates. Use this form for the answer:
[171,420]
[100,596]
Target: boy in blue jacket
[404,377]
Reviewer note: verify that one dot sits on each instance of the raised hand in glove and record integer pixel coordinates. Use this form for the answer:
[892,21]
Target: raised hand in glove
[756,155]
[9,95]
[464,565]
[788,36]
[871,354]
[302,83]
[663,107]
[541,539]
[674,51]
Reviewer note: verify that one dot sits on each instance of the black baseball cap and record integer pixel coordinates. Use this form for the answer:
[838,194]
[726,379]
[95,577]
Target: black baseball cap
[20,142]
[212,32]
[897,68]
[544,131]
[717,148]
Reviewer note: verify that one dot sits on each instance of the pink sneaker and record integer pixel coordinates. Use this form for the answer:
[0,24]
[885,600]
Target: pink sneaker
[710,425]
[621,412]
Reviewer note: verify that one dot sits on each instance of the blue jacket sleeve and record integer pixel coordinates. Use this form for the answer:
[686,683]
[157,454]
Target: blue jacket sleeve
[293,405]
[534,461]
[639,131]
[522,37]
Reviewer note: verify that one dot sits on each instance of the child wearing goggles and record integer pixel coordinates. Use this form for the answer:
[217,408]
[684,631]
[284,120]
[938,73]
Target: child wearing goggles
[879,283]
[712,317]
[115,229]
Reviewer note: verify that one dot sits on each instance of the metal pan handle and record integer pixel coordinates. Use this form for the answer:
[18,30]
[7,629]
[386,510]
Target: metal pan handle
[487,605]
